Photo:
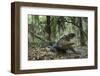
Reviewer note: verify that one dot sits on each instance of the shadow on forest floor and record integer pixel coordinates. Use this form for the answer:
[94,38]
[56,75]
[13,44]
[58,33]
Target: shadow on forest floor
[46,54]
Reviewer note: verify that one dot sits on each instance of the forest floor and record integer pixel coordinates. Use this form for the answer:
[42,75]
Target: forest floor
[46,54]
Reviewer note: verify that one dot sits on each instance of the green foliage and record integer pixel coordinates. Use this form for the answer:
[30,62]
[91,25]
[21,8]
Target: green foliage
[59,25]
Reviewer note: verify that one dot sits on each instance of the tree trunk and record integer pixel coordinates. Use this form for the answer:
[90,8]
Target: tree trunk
[82,41]
[48,28]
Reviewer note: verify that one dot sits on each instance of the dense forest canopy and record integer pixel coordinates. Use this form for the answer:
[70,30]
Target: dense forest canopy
[45,29]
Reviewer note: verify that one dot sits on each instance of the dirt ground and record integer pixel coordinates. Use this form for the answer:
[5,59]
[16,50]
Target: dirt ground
[46,54]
